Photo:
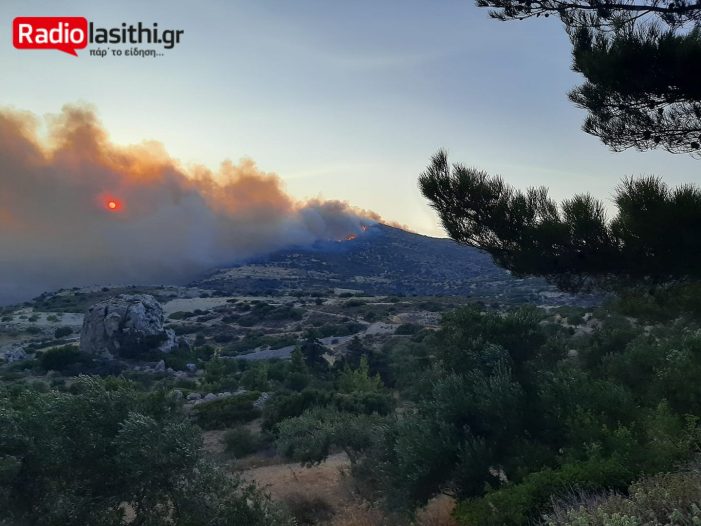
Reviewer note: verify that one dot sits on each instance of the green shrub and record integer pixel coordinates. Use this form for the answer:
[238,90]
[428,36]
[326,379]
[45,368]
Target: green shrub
[338,329]
[223,337]
[241,441]
[518,504]
[408,329]
[575,318]
[364,403]
[62,358]
[287,405]
[661,303]
[308,509]
[74,458]
[667,498]
[186,329]
[359,379]
[351,304]
[179,358]
[220,373]
[297,381]
[277,370]
[219,414]
[256,378]
[312,436]
[62,332]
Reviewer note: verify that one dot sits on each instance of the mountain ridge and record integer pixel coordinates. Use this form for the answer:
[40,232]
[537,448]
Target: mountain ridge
[383,260]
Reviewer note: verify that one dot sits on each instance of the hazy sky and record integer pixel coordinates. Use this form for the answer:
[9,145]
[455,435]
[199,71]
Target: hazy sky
[343,99]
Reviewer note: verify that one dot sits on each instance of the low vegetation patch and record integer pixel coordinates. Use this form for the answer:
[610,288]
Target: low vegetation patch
[227,412]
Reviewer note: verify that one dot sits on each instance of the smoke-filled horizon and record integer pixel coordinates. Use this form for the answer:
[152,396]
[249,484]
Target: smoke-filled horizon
[78,210]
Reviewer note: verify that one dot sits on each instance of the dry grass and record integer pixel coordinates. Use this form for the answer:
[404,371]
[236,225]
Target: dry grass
[359,515]
[438,512]
[308,510]
[213,442]
[322,495]
[325,481]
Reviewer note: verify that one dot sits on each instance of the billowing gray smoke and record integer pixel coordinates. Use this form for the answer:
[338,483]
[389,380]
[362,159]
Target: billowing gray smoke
[76,210]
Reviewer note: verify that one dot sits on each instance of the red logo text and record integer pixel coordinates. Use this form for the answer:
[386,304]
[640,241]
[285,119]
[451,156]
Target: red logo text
[64,33]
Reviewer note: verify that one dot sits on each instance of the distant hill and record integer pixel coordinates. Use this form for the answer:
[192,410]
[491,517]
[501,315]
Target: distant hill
[384,260]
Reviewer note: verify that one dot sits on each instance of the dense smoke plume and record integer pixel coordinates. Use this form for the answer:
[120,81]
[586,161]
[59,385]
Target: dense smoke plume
[76,209]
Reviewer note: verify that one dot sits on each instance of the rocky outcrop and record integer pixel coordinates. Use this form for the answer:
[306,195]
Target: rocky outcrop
[15,355]
[126,326]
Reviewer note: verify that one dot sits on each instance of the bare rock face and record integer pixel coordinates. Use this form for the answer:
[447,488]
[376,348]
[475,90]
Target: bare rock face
[126,326]
[15,355]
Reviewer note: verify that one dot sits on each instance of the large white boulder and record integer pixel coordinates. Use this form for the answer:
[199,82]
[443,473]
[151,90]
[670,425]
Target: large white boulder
[126,326]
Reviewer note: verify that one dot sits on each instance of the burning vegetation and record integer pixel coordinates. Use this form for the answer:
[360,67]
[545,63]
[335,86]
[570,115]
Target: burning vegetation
[164,222]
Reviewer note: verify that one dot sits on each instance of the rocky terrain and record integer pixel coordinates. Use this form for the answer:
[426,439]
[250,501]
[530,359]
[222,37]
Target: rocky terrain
[125,323]
[157,323]
[367,286]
